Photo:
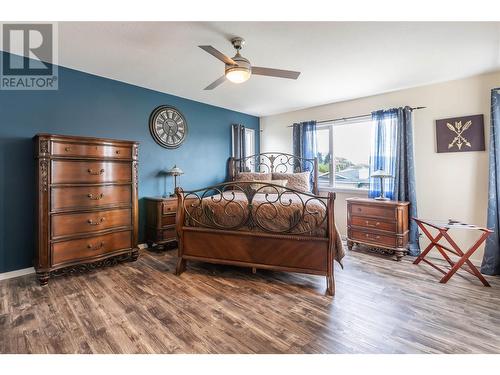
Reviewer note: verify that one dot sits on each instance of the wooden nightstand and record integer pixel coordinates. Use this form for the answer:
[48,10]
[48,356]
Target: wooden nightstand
[160,222]
[378,224]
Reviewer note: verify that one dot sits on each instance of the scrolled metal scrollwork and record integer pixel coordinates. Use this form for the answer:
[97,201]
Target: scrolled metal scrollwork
[268,162]
[251,206]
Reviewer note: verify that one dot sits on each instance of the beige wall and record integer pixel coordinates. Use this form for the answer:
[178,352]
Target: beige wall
[449,185]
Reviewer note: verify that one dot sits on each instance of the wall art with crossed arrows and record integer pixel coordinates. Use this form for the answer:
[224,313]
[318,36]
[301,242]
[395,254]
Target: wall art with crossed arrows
[459,134]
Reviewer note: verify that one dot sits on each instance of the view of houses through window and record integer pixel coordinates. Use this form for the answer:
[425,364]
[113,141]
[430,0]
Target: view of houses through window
[345,149]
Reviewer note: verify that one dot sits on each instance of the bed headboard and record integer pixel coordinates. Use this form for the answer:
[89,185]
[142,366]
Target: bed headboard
[275,162]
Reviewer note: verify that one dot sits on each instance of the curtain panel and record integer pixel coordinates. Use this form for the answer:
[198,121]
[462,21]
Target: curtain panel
[392,152]
[305,143]
[383,151]
[491,259]
[238,144]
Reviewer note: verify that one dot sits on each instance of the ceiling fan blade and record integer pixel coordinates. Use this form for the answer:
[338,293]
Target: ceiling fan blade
[216,83]
[290,74]
[211,50]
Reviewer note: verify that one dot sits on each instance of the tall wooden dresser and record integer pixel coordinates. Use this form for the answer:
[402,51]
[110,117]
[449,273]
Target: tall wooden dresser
[378,224]
[87,203]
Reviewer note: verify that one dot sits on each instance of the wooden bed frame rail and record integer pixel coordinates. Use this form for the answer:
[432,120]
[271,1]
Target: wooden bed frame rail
[248,238]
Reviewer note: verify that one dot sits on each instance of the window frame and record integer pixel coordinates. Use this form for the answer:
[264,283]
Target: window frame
[330,126]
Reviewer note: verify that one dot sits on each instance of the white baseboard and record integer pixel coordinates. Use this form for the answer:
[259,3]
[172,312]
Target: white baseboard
[27,271]
[16,273]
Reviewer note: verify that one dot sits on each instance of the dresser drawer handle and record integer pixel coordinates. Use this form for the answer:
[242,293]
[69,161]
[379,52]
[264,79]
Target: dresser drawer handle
[67,149]
[98,222]
[117,152]
[96,247]
[95,198]
[368,236]
[371,225]
[91,171]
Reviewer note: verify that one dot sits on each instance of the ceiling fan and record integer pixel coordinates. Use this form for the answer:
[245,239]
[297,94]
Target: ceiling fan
[238,69]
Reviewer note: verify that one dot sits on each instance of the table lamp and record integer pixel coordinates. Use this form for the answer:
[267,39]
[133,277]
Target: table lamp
[175,171]
[381,174]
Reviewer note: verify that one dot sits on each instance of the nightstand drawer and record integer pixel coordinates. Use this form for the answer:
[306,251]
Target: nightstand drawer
[169,207]
[388,213]
[365,222]
[373,238]
[167,220]
[169,234]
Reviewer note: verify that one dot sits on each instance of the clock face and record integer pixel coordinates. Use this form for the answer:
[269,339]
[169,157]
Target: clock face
[168,126]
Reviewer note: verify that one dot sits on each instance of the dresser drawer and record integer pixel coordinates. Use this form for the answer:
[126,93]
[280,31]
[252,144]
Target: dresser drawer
[88,222]
[169,207]
[68,171]
[85,150]
[82,197]
[168,220]
[373,238]
[388,213]
[68,251]
[365,222]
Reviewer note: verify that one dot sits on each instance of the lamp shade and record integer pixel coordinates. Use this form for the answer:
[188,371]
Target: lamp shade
[176,171]
[381,173]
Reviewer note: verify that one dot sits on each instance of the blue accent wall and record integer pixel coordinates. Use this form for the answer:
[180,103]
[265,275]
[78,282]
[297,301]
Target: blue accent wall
[93,106]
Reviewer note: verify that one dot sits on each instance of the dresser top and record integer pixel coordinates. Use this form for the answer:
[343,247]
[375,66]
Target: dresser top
[75,138]
[372,201]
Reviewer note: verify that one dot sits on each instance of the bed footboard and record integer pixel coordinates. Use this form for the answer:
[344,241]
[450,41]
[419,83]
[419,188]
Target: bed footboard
[260,225]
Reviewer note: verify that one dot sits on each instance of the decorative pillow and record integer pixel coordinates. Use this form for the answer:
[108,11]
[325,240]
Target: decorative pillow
[270,189]
[297,181]
[253,176]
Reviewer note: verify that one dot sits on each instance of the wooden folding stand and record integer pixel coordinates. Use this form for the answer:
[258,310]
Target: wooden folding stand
[442,228]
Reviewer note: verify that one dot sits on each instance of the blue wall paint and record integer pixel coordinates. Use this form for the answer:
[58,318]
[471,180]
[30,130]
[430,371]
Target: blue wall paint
[88,105]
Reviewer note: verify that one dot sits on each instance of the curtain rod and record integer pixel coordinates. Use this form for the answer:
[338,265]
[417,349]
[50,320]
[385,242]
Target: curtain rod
[351,117]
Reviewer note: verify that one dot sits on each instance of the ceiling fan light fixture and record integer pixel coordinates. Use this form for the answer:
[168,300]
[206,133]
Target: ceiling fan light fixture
[238,69]
[238,74]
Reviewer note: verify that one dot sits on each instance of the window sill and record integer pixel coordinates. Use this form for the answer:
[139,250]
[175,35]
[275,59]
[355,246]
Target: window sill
[344,191]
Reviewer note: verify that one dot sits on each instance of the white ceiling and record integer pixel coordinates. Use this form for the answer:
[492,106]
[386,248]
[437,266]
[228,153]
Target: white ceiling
[338,60]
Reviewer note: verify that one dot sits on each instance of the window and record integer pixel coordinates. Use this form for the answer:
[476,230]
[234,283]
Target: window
[250,147]
[344,147]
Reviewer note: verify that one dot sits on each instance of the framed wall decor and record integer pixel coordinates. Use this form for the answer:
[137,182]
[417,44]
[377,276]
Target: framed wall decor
[460,134]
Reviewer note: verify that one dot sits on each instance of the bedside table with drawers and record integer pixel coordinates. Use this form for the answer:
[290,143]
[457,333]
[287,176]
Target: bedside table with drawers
[378,224]
[160,222]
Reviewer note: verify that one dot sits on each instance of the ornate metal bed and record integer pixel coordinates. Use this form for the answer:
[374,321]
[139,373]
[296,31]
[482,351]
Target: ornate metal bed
[262,225]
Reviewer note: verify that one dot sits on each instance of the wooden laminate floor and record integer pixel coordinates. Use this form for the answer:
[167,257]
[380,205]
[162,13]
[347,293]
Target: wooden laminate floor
[381,306]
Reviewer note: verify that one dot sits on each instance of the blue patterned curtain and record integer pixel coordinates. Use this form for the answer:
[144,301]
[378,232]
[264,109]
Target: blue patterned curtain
[392,152]
[491,259]
[238,145]
[404,176]
[383,150]
[305,143]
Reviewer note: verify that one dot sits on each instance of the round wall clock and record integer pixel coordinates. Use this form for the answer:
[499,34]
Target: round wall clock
[168,126]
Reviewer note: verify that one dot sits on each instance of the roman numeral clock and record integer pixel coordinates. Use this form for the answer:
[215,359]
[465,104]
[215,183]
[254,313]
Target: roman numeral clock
[168,126]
